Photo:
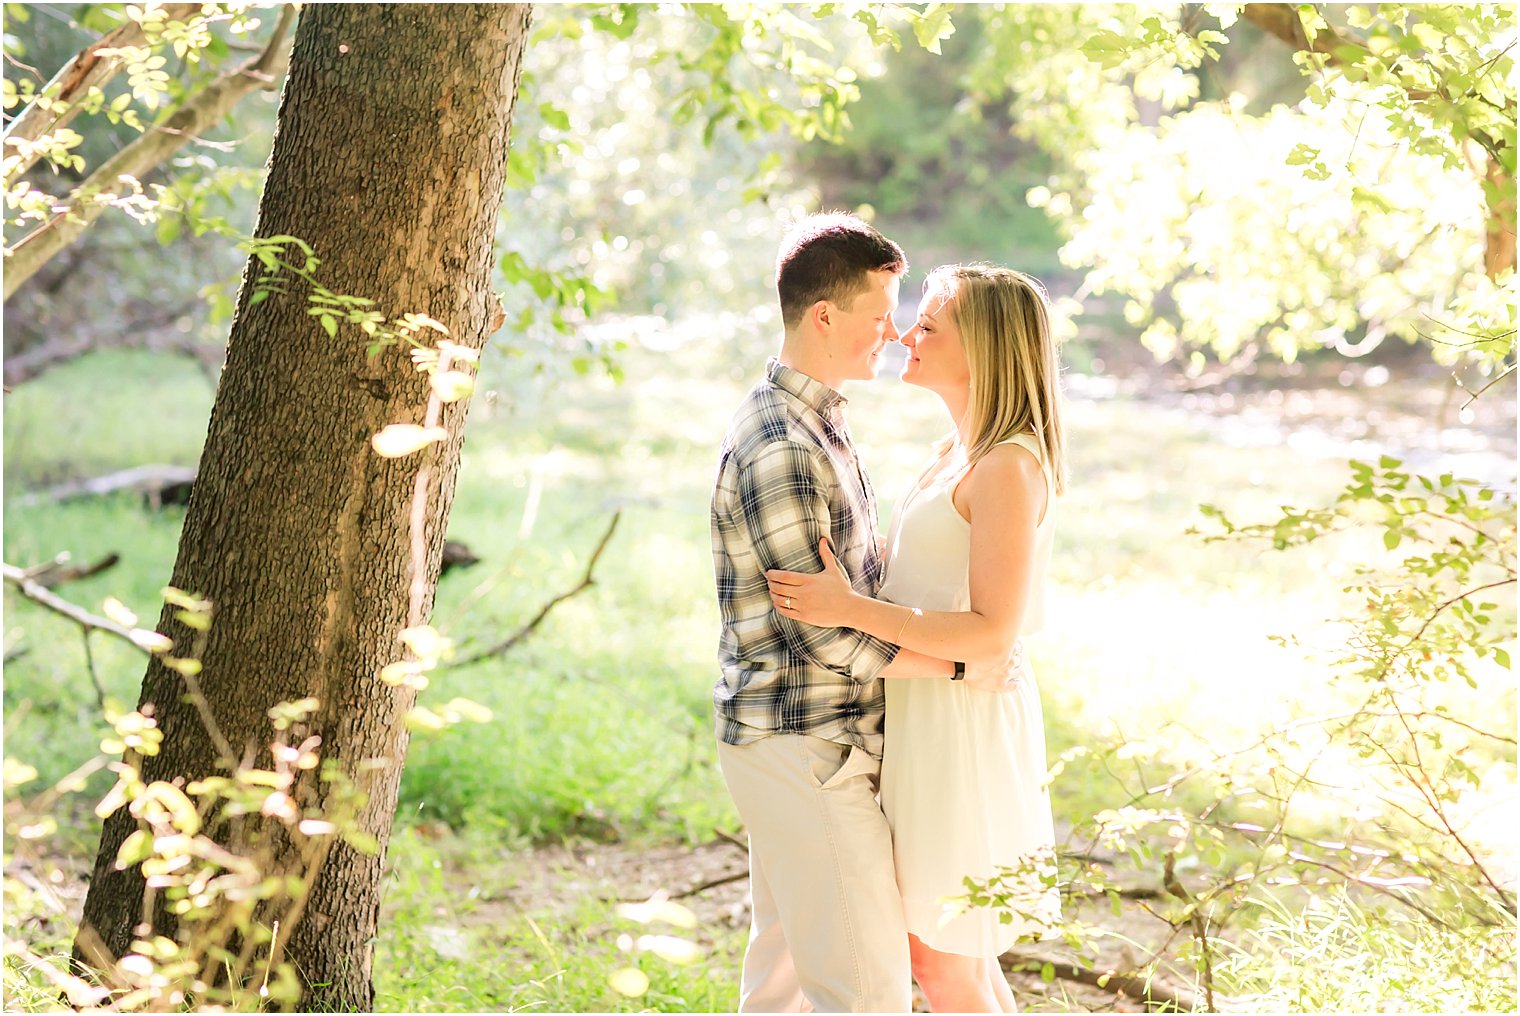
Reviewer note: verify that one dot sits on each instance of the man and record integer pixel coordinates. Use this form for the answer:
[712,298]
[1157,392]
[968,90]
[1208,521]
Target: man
[800,709]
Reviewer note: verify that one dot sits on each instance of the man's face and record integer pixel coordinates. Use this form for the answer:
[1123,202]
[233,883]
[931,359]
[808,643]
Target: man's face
[858,334]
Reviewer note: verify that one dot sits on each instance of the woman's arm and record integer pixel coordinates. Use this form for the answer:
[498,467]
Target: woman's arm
[1005,497]
[908,664]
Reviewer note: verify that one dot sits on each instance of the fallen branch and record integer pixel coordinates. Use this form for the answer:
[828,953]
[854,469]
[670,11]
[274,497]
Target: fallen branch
[586,582]
[1136,986]
[712,883]
[151,481]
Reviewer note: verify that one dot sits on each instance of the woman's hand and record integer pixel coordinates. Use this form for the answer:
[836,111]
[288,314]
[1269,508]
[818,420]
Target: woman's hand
[998,677]
[822,600]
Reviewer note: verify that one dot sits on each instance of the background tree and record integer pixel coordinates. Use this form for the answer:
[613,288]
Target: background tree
[296,531]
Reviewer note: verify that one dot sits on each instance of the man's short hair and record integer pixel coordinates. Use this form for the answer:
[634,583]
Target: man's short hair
[827,257]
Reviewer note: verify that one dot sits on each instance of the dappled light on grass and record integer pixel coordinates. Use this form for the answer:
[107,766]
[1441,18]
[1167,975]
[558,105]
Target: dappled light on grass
[1157,657]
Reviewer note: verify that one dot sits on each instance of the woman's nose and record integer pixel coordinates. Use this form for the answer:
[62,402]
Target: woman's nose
[909,338]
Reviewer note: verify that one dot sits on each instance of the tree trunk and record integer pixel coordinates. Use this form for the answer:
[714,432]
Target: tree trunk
[389,159]
[1499,235]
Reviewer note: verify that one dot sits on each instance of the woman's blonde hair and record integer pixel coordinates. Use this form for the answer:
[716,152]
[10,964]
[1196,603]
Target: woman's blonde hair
[1003,316]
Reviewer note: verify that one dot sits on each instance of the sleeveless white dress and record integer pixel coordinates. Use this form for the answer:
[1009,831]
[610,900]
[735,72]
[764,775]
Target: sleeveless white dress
[963,774]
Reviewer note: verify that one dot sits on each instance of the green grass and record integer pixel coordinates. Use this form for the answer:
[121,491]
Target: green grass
[602,723]
[470,946]
[1362,961]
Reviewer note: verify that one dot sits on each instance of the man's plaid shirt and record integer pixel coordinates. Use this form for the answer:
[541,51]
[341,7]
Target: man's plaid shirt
[787,476]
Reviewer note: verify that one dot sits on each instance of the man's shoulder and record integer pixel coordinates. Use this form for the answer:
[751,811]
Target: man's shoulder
[766,417]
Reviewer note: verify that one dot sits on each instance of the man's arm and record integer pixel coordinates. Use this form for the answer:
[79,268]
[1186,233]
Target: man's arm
[784,502]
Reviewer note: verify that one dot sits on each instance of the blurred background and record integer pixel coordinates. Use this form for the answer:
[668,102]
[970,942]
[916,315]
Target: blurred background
[1236,328]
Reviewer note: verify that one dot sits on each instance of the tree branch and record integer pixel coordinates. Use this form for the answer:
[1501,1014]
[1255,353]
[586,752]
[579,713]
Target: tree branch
[59,100]
[1283,22]
[586,582]
[121,171]
[35,592]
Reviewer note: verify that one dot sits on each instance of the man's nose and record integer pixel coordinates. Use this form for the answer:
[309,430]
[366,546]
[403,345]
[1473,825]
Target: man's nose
[893,335]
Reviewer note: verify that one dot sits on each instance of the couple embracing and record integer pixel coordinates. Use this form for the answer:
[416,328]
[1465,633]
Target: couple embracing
[878,729]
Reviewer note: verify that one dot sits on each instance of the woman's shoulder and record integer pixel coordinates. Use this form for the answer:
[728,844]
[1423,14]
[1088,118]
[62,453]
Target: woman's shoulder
[1009,473]
[1024,440]
[1009,467]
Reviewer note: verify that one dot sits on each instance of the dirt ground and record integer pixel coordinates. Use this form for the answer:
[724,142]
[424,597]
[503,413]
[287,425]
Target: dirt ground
[558,877]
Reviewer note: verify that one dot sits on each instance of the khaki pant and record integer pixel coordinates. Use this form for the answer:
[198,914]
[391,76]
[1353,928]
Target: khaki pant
[828,931]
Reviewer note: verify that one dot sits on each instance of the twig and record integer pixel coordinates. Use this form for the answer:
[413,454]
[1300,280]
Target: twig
[1200,925]
[1475,396]
[712,883]
[1415,638]
[586,582]
[1433,800]
[728,837]
[89,660]
[40,595]
[58,572]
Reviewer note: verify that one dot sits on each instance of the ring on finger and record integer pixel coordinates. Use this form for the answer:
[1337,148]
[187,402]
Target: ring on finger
[788,603]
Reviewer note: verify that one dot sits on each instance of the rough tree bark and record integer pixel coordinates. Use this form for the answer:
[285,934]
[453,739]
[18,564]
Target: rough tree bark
[389,159]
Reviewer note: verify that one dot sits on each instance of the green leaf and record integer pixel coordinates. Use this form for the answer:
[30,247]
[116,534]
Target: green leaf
[1047,972]
[329,325]
[135,849]
[1302,155]
[1502,657]
[1392,538]
[1106,48]
[932,26]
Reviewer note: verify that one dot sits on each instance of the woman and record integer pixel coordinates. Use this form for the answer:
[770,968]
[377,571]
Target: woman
[962,780]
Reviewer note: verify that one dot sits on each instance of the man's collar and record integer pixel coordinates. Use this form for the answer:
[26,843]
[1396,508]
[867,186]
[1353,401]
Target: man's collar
[814,393]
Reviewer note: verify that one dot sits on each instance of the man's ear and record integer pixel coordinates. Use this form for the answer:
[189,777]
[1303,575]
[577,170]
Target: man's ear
[821,314]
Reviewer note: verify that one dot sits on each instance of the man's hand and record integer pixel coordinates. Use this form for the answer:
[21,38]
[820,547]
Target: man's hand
[998,677]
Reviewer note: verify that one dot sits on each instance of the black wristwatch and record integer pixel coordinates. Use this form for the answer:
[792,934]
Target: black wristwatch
[960,672]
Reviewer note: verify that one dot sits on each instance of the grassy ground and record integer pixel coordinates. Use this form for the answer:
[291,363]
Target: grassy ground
[602,730]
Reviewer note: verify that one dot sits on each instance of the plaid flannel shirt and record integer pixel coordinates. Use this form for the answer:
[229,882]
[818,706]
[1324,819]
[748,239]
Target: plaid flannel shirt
[787,476]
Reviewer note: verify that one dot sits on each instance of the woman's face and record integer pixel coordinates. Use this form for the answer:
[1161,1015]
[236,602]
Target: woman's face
[935,358]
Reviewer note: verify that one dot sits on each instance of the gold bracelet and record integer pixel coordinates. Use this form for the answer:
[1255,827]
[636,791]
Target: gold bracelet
[912,613]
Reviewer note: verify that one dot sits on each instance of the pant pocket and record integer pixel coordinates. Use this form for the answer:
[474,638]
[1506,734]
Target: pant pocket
[829,765]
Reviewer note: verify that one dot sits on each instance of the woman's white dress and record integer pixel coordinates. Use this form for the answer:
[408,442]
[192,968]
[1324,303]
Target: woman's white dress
[963,773]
